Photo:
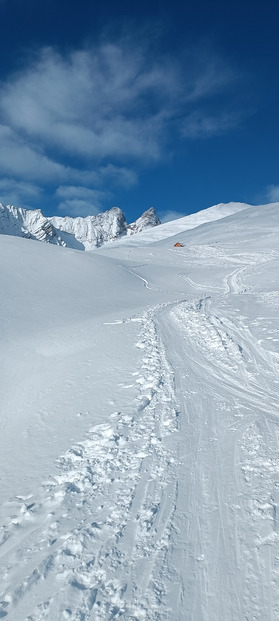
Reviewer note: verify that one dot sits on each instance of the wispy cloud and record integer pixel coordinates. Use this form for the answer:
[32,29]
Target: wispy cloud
[78,207]
[93,117]
[168,216]
[79,200]
[273,193]
[199,124]
[19,193]
[22,158]
[207,74]
[117,175]
[111,101]
[97,103]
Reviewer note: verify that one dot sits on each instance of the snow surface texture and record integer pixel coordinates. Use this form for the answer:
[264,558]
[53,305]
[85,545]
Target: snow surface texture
[79,233]
[139,426]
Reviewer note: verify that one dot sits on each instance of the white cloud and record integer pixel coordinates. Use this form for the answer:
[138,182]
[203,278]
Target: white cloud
[78,207]
[17,157]
[89,118]
[273,193]
[81,201]
[18,193]
[168,216]
[25,188]
[25,166]
[25,160]
[201,125]
[92,103]
[209,75]
[70,191]
[111,101]
[118,175]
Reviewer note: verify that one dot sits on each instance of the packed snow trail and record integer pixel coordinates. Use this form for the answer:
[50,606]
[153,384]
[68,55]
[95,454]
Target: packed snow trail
[89,542]
[226,571]
[225,558]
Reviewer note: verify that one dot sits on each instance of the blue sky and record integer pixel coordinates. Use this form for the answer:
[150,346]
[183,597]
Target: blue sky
[168,104]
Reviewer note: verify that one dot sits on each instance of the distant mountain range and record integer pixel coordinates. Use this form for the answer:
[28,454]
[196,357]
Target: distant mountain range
[79,233]
[110,226]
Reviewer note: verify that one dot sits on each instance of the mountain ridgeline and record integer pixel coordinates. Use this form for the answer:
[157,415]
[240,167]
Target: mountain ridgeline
[79,233]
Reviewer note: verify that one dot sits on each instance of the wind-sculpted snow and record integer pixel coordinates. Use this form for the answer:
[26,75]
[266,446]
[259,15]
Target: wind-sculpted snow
[151,488]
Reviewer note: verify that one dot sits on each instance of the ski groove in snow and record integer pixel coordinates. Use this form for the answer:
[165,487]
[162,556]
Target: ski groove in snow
[228,367]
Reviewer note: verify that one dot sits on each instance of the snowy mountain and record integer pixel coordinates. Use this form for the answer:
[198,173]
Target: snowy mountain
[205,216]
[26,223]
[139,417]
[79,233]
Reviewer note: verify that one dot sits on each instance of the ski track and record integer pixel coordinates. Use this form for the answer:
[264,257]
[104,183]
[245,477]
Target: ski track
[93,536]
[231,462]
[146,518]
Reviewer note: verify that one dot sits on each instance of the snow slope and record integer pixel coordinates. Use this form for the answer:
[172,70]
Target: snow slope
[211,214]
[139,426]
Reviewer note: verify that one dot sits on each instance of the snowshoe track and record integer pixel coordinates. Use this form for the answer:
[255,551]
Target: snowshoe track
[104,516]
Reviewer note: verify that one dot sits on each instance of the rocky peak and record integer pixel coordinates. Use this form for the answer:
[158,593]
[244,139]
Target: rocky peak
[29,223]
[148,219]
[80,233]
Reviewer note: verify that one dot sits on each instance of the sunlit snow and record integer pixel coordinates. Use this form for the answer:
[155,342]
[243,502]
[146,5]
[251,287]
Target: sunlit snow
[139,456]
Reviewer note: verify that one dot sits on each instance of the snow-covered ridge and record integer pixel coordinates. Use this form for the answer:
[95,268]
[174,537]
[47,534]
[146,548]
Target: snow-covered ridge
[80,233]
[25,223]
[94,231]
[186,223]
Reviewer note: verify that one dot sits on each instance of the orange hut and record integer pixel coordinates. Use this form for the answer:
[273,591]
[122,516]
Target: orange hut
[178,245]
